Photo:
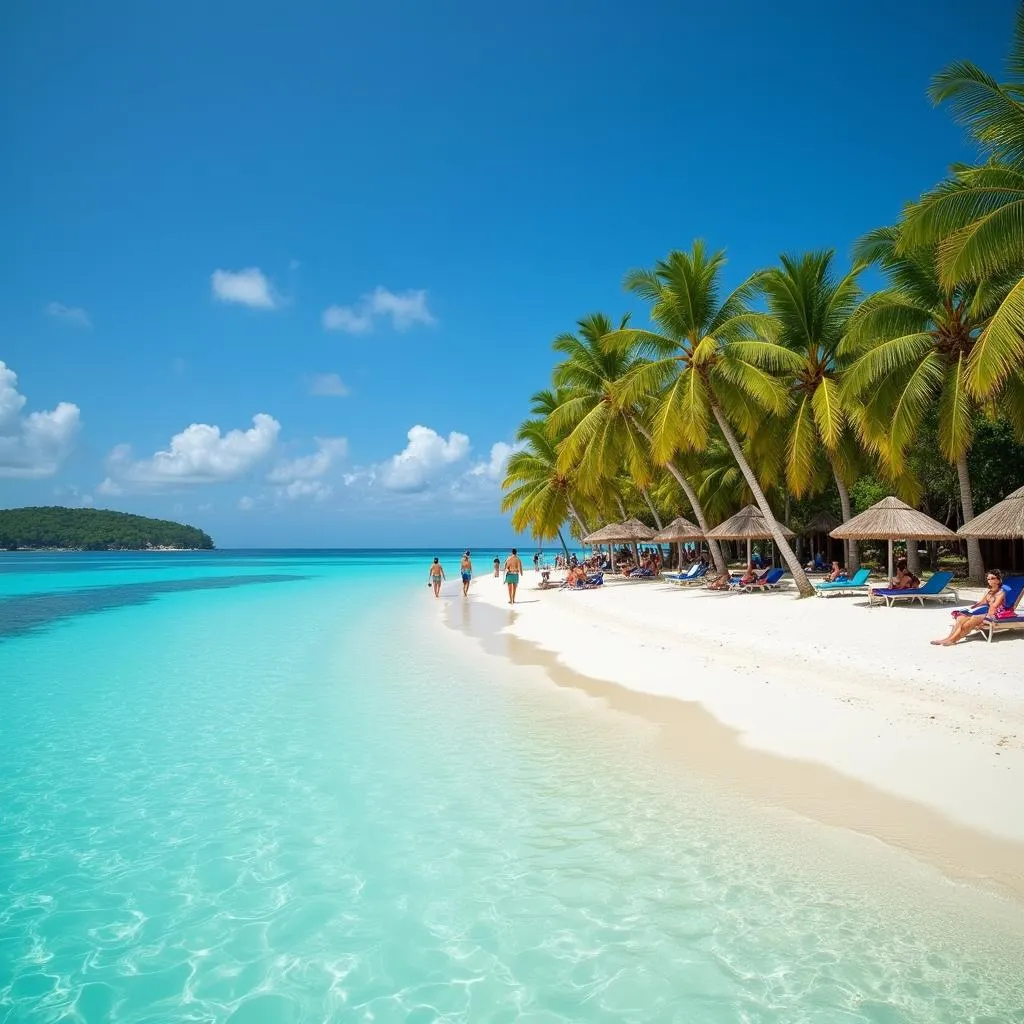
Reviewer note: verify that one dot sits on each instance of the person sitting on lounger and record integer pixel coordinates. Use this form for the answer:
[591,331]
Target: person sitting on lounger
[965,622]
[903,580]
[837,573]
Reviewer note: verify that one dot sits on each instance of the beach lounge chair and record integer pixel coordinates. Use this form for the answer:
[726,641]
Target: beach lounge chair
[695,577]
[857,584]
[593,580]
[934,589]
[772,581]
[736,586]
[678,577]
[1013,587]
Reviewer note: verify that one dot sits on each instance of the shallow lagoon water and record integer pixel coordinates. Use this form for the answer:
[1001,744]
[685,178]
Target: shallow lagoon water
[288,795]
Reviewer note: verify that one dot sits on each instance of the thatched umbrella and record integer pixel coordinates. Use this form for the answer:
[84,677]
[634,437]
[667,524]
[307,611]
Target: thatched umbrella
[891,519]
[748,524]
[679,531]
[611,532]
[631,531]
[1003,521]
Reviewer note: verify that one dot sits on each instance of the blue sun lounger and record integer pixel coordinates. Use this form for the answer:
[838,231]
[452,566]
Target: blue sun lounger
[738,587]
[936,588]
[695,574]
[857,584]
[1013,587]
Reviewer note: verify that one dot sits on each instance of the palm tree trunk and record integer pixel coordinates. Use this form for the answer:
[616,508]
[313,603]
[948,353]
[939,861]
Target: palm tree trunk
[698,509]
[803,585]
[579,519]
[622,512]
[975,565]
[564,548]
[852,551]
[657,519]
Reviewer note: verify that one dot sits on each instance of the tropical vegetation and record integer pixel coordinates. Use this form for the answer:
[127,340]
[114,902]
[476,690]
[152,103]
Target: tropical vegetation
[92,529]
[800,390]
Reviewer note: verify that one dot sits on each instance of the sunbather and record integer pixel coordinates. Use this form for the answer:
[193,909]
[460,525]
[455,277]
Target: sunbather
[903,580]
[965,622]
[837,573]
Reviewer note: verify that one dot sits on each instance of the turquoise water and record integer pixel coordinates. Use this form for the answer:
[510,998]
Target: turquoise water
[271,787]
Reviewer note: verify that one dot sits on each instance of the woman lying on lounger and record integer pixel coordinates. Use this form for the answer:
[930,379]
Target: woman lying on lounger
[965,622]
[836,573]
[722,583]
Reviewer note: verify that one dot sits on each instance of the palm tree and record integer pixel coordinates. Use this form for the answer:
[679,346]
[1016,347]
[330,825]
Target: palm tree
[539,495]
[709,361]
[977,216]
[911,346]
[600,432]
[812,308]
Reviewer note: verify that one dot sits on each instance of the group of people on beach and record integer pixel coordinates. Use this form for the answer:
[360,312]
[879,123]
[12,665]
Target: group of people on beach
[513,573]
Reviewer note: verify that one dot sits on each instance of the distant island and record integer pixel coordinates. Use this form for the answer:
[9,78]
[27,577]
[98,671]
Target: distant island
[91,529]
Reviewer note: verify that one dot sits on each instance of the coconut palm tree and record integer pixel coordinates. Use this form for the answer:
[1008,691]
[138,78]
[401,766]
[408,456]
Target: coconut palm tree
[812,307]
[539,495]
[977,216]
[911,345]
[709,361]
[601,433]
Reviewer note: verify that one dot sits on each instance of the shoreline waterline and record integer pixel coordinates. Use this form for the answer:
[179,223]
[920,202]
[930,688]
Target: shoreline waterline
[696,741]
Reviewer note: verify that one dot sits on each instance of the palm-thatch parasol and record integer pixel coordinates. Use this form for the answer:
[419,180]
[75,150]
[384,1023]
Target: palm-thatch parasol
[748,524]
[607,534]
[823,522]
[678,530]
[1003,521]
[891,519]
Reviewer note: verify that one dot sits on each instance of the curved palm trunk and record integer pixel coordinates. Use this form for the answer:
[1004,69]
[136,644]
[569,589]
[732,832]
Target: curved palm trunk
[698,510]
[799,576]
[564,548]
[572,511]
[657,518]
[850,546]
[975,564]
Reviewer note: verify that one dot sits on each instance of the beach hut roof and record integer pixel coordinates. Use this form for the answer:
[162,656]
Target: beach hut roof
[633,529]
[1003,521]
[823,522]
[748,524]
[607,534]
[678,530]
[892,519]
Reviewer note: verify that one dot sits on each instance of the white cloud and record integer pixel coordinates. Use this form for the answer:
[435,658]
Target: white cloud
[328,385]
[245,503]
[247,287]
[74,315]
[310,467]
[494,468]
[200,454]
[426,452]
[34,445]
[315,489]
[405,309]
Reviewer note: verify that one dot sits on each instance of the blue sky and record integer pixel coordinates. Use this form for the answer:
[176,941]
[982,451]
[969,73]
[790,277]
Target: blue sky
[291,272]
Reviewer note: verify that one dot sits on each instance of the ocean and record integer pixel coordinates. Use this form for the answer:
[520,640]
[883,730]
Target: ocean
[278,787]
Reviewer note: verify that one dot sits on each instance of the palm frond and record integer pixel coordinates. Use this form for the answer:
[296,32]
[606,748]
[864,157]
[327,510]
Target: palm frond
[999,352]
[956,413]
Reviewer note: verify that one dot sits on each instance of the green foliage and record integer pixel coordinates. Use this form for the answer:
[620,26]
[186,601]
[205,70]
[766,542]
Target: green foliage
[91,529]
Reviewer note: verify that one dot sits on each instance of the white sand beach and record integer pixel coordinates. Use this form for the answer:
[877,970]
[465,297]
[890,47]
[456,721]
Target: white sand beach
[826,682]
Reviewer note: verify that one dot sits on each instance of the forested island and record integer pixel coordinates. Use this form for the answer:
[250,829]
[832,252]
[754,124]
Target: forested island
[91,529]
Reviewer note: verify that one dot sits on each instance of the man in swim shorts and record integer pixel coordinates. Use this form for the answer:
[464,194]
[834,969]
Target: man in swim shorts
[467,573]
[513,570]
[436,576]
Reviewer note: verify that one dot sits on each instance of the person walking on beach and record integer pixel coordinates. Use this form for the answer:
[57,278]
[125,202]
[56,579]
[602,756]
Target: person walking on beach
[467,573]
[497,567]
[513,570]
[437,576]
[536,562]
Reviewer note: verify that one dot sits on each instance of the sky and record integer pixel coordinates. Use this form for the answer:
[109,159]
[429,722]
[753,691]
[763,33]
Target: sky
[290,272]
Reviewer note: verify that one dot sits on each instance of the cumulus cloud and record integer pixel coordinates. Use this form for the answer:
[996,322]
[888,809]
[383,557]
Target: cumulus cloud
[34,445]
[73,315]
[245,503]
[200,454]
[494,467]
[426,453]
[247,287]
[328,385]
[405,310]
[310,467]
[315,489]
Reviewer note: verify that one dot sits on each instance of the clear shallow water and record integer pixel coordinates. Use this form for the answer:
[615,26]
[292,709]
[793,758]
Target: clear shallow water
[283,795]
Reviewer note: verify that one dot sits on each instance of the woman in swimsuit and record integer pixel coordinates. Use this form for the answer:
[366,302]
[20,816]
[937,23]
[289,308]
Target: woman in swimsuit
[987,608]
[437,576]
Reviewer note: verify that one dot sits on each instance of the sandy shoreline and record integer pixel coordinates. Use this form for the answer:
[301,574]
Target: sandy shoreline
[842,713]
